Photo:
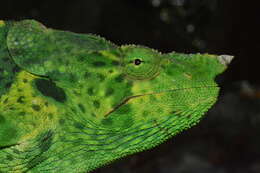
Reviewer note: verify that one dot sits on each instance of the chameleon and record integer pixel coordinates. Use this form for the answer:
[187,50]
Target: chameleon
[73,102]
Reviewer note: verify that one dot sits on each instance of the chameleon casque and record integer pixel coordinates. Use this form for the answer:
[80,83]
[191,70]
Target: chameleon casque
[74,102]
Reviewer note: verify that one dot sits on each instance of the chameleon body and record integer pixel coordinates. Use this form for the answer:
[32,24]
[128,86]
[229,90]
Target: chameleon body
[74,102]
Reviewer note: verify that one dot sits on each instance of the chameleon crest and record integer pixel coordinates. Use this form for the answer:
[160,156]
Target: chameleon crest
[74,102]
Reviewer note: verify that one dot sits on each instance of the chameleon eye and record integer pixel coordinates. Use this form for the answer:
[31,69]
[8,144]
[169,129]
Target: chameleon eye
[137,61]
[146,66]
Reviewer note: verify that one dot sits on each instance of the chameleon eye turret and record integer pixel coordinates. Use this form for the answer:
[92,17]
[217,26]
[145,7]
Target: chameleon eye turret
[140,63]
[75,102]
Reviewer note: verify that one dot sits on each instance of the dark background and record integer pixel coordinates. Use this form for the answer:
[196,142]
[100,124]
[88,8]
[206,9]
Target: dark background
[227,139]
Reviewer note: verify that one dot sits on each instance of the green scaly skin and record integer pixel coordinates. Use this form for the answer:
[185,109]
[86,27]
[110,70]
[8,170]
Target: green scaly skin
[74,102]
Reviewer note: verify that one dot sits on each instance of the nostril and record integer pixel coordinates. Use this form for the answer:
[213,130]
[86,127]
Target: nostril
[225,59]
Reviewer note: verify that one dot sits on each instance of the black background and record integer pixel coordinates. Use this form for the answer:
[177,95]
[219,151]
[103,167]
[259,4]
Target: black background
[227,139]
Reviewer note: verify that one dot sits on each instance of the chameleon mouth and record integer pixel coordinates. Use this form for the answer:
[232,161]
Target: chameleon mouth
[127,99]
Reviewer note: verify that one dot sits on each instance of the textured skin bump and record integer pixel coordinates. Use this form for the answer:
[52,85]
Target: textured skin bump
[74,102]
[51,49]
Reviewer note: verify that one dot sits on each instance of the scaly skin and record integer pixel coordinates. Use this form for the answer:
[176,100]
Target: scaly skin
[74,102]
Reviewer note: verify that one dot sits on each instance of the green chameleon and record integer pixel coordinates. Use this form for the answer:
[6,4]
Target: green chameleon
[74,102]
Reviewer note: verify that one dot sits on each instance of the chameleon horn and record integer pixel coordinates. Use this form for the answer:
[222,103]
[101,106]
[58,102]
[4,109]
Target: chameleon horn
[225,59]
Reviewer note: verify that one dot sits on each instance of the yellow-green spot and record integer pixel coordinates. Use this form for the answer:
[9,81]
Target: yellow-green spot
[2,23]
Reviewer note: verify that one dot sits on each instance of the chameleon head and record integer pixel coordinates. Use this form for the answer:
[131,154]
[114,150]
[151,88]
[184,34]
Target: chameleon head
[118,86]
[155,88]
[87,101]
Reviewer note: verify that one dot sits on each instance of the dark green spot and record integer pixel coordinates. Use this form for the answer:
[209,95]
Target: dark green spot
[99,63]
[72,78]
[74,110]
[96,104]
[169,72]
[49,89]
[6,59]
[9,157]
[25,80]
[81,58]
[90,91]
[78,125]
[87,74]
[145,113]
[163,66]
[35,161]
[12,108]
[61,121]
[128,122]
[152,98]
[115,63]
[36,107]
[119,78]
[107,121]
[109,91]
[46,140]
[124,109]
[101,77]
[79,141]
[129,84]
[2,119]
[75,92]
[20,99]
[16,151]
[16,69]
[82,108]
[21,113]
[33,124]
[5,101]
[175,113]
[8,85]
[50,115]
